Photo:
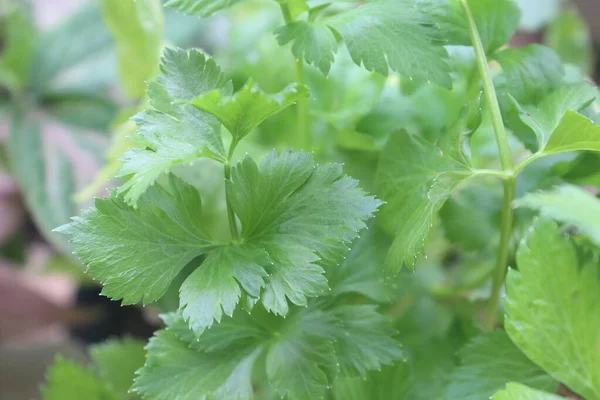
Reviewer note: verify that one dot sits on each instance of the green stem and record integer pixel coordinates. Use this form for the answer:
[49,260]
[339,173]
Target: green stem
[230,214]
[233,229]
[302,106]
[502,261]
[489,91]
[506,162]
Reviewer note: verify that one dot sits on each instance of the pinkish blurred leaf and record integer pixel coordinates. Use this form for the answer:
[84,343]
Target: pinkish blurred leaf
[51,162]
[11,208]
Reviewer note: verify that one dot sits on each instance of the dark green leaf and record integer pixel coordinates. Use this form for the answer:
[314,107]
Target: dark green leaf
[489,362]
[136,252]
[415,178]
[384,35]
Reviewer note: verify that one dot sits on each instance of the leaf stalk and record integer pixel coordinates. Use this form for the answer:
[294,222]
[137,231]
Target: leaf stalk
[506,162]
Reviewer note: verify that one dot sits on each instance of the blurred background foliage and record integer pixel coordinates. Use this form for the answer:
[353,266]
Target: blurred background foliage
[72,73]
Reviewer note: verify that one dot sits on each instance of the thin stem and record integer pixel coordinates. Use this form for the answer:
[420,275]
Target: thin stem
[502,261]
[492,172]
[507,165]
[233,229]
[302,106]
[526,162]
[489,91]
[230,214]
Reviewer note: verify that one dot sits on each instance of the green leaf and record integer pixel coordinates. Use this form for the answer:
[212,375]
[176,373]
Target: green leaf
[242,112]
[175,371]
[489,362]
[301,353]
[575,132]
[553,309]
[553,123]
[117,361]
[214,289]
[394,34]
[303,362]
[344,97]
[365,341]
[137,252]
[415,178]
[48,161]
[496,20]
[569,35]
[172,134]
[302,215]
[471,218]
[67,380]
[529,73]
[570,205]
[295,217]
[391,383]
[360,272]
[200,8]
[516,391]
[316,43]
[137,29]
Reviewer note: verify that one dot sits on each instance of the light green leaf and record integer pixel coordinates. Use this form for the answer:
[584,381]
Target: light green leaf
[553,309]
[242,112]
[315,43]
[570,205]
[214,289]
[489,362]
[137,28]
[415,178]
[554,120]
[569,35]
[575,132]
[529,73]
[496,20]
[200,8]
[117,362]
[516,391]
[302,215]
[394,34]
[67,380]
[136,253]
[172,134]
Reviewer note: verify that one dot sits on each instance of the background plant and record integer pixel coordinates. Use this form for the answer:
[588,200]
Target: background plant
[271,300]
